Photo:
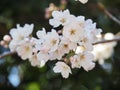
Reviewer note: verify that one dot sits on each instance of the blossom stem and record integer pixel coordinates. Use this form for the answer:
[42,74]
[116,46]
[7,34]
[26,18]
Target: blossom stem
[107,41]
[102,8]
[99,42]
[7,54]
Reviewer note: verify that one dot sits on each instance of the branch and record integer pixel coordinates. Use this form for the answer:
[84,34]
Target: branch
[99,42]
[102,7]
[7,54]
[107,41]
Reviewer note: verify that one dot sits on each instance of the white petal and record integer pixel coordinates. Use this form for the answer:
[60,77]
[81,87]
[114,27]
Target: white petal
[41,33]
[83,1]
[54,22]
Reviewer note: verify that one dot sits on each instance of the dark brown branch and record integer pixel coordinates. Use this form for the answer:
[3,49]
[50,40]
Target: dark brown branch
[107,41]
[102,8]
[103,41]
[6,54]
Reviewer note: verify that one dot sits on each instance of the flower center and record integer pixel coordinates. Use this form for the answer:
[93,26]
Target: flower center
[65,45]
[82,57]
[72,32]
[53,42]
[63,20]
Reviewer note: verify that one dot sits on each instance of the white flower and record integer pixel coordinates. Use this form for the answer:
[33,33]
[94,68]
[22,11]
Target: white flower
[36,61]
[73,32]
[85,59]
[86,43]
[24,49]
[50,43]
[60,17]
[62,68]
[66,45]
[75,63]
[20,33]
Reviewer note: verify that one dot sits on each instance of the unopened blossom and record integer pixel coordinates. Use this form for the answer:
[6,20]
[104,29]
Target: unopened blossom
[24,50]
[60,18]
[62,68]
[7,38]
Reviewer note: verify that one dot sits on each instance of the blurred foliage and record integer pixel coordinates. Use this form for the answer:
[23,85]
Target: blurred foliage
[105,77]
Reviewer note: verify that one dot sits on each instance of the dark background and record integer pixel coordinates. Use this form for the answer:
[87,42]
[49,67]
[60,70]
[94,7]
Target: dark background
[16,74]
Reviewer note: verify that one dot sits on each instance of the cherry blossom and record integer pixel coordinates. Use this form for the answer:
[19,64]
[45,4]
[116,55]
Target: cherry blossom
[70,48]
[62,68]
[84,60]
[60,17]
[24,50]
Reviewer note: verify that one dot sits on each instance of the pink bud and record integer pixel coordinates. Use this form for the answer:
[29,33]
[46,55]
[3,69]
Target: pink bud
[7,38]
[2,43]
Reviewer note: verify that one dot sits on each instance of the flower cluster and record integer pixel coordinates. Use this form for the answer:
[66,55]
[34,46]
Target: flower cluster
[48,46]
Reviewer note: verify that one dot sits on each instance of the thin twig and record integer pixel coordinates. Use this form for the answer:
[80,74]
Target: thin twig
[102,7]
[99,42]
[107,41]
[7,54]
